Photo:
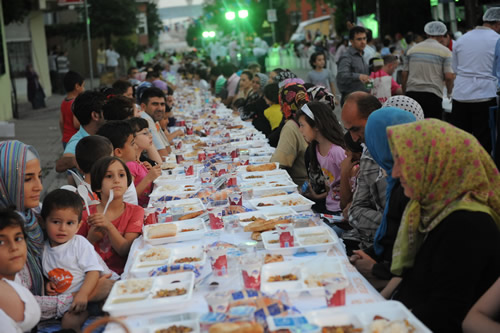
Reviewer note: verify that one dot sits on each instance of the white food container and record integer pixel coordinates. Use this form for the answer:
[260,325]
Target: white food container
[142,303]
[362,315]
[308,239]
[196,223]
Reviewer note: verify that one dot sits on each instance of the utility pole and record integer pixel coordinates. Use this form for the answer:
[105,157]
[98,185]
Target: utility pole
[89,44]
[272,23]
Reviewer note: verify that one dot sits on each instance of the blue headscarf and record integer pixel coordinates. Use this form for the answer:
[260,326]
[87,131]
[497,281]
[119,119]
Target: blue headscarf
[378,146]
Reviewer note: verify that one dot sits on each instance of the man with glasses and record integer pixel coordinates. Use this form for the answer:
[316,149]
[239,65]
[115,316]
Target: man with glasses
[353,70]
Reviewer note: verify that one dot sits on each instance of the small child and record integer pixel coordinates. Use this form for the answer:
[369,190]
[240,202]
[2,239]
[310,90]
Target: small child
[320,76]
[69,261]
[321,129]
[74,85]
[88,150]
[142,172]
[122,137]
[112,233]
[19,310]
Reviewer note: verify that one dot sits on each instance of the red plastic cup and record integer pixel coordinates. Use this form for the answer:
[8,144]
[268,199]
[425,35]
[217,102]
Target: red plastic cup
[202,156]
[179,158]
[336,298]
[285,232]
[218,260]
[235,153]
[188,169]
[244,161]
[215,217]
[235,199]
[251,271]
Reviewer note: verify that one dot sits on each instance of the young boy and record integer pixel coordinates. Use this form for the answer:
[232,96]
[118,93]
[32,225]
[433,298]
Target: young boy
[19,310]
[122,137]
[69,125]
[88,150]
[69,261]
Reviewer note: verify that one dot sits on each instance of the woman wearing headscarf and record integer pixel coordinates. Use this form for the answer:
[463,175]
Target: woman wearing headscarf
[447,248]
[375,262]
[20,187]
[255,104]
[291,145]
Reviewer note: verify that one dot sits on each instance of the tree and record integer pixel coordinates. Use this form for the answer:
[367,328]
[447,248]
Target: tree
[16,11]
[107,18]
[155,25]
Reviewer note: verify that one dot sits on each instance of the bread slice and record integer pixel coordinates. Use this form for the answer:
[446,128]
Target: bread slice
[162,230]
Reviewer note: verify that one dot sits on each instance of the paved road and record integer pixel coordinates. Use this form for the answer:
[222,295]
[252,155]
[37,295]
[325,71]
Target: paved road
[40,128]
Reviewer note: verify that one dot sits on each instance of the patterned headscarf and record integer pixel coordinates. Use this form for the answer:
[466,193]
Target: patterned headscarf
[263,80]
[406,103]
[320,94]
[292,97]
[378,146]
[447,170]
[13,159]
[282,76]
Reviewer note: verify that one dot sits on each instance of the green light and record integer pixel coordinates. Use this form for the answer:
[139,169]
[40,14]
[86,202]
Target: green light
[243,13]
[211,34]
[205,34]
[230,16]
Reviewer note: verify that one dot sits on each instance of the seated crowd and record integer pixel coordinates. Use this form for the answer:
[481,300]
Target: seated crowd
[419,198]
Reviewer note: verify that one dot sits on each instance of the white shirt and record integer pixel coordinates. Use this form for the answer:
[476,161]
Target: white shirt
[112,58]
[67,264]
[157,141]
[472,61]
[31,311]
[130,195]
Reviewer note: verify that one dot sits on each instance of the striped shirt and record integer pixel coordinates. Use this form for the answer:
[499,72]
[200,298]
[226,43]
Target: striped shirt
[427,62]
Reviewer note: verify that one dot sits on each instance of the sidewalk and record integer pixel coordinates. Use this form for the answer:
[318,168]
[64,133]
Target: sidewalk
[40,128]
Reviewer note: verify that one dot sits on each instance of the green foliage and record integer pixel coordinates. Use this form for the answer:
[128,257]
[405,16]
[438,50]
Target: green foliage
[16,10]
[125,47]
[107,18]
[155,25]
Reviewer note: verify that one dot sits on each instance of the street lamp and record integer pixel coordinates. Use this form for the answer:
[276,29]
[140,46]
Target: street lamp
[230,16]
[243,13]
[208,34]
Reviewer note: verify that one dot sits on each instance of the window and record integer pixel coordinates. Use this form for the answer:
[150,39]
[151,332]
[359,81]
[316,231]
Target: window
[19,56]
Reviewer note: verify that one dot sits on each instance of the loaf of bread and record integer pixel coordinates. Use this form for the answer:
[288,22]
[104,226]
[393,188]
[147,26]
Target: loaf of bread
[162,230]
[236,328]
[261,167]
[264,225]
[191,215]
[256,236]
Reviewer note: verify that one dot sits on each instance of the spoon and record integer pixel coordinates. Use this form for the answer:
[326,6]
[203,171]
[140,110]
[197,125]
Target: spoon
[84,193]
[111,197]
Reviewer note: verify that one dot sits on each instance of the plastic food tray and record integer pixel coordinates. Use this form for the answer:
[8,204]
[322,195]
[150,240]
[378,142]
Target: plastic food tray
[142,268]
[362,315]
[303,271]
[197,223]
[118,304]
[308,239]
[304,203]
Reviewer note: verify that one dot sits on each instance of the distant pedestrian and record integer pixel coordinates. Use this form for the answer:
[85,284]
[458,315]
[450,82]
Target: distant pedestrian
[62,68]
[53,68]
[428,69]
[36,95]
[74,85]
[112,60]
[475,88]
[353,70]
[101,59]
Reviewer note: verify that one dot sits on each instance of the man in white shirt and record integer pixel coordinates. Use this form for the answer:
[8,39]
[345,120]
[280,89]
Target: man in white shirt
[153,107]
[112,60]
[476,85]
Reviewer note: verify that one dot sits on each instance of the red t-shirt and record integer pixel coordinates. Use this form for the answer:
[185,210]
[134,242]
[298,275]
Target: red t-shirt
[131,220]
[68,129]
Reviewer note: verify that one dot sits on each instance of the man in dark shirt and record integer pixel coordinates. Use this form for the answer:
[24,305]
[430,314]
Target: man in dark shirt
[353,72]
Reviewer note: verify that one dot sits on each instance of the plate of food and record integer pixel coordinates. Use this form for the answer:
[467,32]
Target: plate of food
[307,239]
[148,295]
[171,232]
[387,316]
[147,260]
[295,201]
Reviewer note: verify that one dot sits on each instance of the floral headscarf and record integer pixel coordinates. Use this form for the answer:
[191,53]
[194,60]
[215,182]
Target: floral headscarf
[13,159]
[378,146]
[447,170]
[320,94]
[292,97]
